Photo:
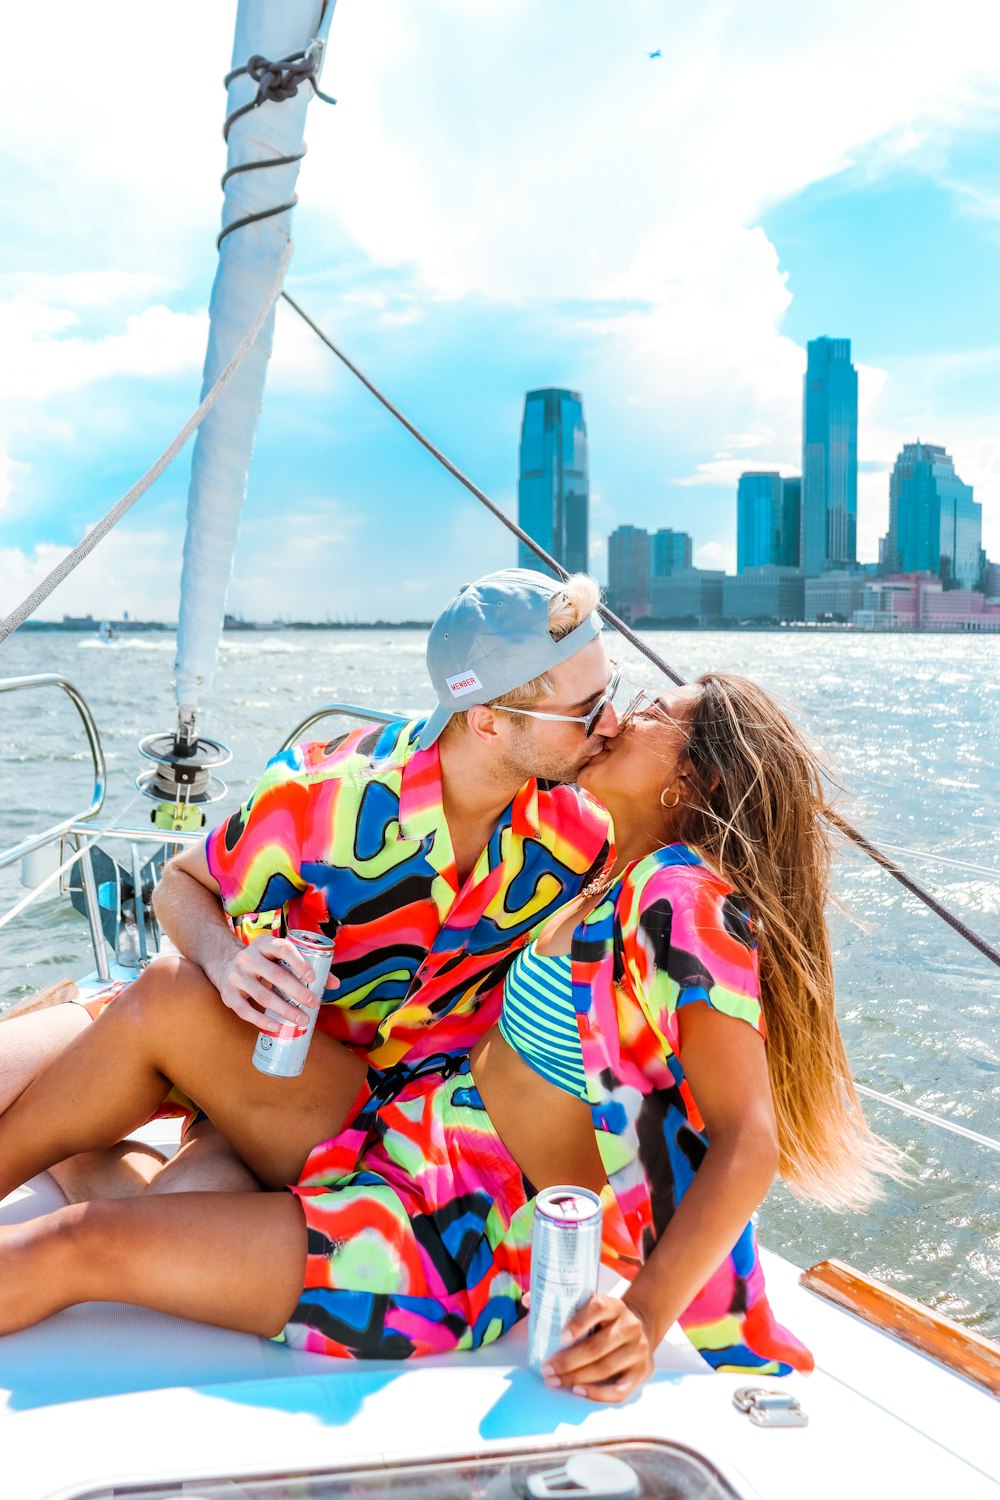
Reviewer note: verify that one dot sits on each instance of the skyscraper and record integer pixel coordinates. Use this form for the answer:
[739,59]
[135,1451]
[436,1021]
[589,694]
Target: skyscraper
[553,490]
[767,521]
[629,571]
[829,529]
[791,522]
[670,550]
[935,525]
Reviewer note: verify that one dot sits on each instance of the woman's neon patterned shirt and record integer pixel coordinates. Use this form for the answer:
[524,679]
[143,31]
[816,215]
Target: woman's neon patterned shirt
[350,838]
[671,932]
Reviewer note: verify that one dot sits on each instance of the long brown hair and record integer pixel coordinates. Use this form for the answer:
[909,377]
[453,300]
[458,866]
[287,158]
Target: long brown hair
[759,812]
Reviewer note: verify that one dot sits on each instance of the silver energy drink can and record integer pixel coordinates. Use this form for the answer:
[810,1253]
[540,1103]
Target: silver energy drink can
[284,1055]
[565,1261]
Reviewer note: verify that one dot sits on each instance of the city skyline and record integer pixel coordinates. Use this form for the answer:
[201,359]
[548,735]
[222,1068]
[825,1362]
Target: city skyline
[655,235]
[796,552]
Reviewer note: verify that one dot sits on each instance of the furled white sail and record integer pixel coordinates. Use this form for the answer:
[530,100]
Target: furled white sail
[249,260]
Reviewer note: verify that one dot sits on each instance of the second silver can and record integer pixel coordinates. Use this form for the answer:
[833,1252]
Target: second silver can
[565,1263]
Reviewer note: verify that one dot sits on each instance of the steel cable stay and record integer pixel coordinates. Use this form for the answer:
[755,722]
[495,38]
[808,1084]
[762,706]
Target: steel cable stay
[992,872]
[929,1117]
[843,827]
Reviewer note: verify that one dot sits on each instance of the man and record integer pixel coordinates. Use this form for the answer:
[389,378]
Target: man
[428,850]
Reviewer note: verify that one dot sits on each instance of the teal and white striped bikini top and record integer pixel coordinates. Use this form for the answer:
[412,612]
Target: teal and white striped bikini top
[538,1019]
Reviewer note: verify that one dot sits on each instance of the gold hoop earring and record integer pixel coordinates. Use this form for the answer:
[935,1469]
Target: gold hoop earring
[669,806]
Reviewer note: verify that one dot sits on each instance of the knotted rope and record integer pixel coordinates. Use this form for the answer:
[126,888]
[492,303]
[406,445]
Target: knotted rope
[276,81]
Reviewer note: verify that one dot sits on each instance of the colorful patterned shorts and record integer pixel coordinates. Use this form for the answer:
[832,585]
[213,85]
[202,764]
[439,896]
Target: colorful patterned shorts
[419,1224]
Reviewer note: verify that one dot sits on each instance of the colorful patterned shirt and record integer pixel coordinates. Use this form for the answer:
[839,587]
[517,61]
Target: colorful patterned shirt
[671,932]
[350,838]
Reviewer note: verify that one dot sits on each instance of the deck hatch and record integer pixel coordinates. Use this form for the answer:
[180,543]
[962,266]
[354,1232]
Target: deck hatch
[663,1471]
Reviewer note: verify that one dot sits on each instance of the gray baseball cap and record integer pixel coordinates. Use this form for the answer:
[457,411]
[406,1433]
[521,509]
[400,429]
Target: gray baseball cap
[492,637]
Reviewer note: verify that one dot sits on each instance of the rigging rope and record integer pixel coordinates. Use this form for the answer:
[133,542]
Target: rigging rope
[847,830]
[276,81]
[73,559]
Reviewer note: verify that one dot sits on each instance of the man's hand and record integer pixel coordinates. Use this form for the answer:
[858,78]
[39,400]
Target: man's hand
[609,1353]
[256,978]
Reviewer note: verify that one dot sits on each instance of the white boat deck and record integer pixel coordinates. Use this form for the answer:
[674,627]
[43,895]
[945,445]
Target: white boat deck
[108,1394]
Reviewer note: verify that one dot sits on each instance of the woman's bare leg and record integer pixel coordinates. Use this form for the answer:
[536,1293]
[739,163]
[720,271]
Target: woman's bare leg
[233,1259]
[204,1163]
[29,1043]
[170,1027]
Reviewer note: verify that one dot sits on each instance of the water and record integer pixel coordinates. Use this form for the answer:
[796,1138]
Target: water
[913,725]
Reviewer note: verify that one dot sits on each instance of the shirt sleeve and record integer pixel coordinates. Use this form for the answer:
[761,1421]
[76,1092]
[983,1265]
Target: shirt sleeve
[685,938]
[256,855]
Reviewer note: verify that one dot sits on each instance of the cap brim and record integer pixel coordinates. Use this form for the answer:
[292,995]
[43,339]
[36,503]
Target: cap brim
[433,727]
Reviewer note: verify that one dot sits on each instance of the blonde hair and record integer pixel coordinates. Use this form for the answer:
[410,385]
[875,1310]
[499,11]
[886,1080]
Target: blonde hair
[573,603]
[761,815]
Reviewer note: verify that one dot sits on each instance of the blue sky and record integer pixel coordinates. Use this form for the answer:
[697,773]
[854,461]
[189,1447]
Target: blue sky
[506,195]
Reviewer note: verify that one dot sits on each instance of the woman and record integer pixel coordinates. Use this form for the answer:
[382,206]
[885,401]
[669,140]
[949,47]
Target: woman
[655,994]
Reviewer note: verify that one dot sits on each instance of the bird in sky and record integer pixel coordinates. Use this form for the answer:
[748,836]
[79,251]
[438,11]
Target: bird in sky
[657,53]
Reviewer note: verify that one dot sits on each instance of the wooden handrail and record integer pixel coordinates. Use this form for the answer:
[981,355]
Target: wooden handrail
[967,1353]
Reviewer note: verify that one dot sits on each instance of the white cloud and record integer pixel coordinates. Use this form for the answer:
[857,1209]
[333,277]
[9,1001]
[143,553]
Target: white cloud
[133,569]
[493,152]
[715,555]
[563,184]
[46,359]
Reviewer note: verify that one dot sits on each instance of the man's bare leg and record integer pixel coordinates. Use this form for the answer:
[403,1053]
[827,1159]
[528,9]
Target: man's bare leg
[168,1027]
[233,1259]
[204,1163]
[118,1172]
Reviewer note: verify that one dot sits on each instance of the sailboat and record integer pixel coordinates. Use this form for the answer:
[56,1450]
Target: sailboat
[107,1400]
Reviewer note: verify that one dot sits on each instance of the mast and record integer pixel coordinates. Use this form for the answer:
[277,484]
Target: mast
[265,147]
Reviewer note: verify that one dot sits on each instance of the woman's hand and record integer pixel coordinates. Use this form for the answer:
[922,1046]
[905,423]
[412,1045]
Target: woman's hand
[267,974]
[609,1355]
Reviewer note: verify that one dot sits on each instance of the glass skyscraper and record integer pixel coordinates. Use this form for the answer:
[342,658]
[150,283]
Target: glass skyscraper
[829,527]
[670,550]
[629,558]
[553,489]
[767,521]
[935,525]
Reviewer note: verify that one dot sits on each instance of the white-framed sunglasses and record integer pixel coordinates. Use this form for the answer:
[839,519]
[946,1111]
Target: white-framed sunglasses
[589,720]
[646,703]
[642,702]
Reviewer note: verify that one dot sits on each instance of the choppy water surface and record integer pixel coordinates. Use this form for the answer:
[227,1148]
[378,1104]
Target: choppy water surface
[913,724]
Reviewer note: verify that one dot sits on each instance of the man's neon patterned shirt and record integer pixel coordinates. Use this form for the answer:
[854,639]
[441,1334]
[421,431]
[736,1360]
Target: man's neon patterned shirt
[350,838]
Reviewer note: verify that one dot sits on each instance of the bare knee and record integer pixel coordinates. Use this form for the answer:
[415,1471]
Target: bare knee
[75,1249]
[161,990]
